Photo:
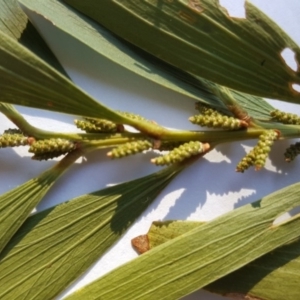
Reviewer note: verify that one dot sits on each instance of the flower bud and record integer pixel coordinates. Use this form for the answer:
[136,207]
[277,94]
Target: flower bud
[130,148]
[292,152]
[13,138]
[286,118]
[259,154]
[181,153]
[52,146]
[218,121]
[98,125]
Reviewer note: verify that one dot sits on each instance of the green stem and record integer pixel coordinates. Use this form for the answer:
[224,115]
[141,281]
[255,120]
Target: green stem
[13,115]
[148,129]
[286,131]
[220,136]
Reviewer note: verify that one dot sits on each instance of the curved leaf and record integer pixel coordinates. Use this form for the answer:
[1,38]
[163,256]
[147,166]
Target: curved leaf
[274,276]
[199,37]
[27,80]
[202,255]
[56,246]
[118,51]
[17,204]
[138,61]
[14,22]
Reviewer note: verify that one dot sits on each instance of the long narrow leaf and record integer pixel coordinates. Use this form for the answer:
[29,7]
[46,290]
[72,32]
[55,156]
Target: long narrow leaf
[12,19]
[57,245]
[274,276]
[208,92]
[136,60]
[27,80]
[17,204]
[202,255]
[116,50]
[14,22]
[199,37]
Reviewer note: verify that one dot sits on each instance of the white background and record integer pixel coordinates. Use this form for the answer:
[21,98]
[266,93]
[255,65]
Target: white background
[205,190]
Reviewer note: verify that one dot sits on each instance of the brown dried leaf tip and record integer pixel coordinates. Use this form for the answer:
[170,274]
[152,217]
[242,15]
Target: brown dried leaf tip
[141,243]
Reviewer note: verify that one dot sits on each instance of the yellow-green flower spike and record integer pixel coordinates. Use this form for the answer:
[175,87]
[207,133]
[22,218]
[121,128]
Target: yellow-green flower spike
[286,118]
[258,155]
[246,162]
[133,116]
[52,146]
[130,149]
[13,138]
[292,152]
[218,121]
[98,125]
[263,147]
[181,153]
[206,110]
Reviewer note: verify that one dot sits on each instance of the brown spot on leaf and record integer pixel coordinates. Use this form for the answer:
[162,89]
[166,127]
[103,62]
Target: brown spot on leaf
[141,243]
[195,5]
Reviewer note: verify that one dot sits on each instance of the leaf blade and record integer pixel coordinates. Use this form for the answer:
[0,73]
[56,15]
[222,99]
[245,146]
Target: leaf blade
[27,80]
[55,246]
[274,276]
[18,203]
[14,22]
[138,61]
[249,49]
[202,255]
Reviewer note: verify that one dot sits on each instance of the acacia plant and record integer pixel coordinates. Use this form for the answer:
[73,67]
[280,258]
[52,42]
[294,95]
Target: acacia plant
[225,65]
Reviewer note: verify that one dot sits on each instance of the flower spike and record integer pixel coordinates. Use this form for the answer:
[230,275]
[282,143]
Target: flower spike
[292,152]
[54,146]
[130,148]
[286,118]
[13,138]
[258,155]
[181,153]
